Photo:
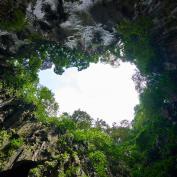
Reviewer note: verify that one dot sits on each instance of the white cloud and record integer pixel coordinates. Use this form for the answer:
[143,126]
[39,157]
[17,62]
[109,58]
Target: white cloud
[101,90]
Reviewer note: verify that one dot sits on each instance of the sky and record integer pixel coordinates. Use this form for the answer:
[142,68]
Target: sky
[101,90]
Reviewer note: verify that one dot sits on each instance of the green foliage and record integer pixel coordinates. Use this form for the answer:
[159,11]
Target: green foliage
[149,147]
[4,136]
[45,102]
[16,23]
[82,119]
[25,84]
[97,139]
[71,171]
[101,124]
[36,172]
[16,143]
[136,45]
[62,57]
[99,162]
[12,146]
[21,73]
[63,123]
[120,133]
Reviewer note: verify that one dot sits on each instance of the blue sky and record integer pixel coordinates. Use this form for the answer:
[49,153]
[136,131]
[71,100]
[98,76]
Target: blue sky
[100,90]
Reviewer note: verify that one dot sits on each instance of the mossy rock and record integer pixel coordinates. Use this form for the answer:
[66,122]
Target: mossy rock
[16,22]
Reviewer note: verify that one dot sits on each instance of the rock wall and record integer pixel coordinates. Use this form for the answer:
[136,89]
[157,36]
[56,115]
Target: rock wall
[54,153]
[86,23]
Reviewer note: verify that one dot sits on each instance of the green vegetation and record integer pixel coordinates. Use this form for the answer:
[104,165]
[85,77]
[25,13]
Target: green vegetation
[11,147]
[98,160]
[17,21]
[153,135]
[16,143]
[137,44]
[8,146]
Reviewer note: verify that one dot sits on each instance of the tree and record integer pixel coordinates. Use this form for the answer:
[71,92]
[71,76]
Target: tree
[101,124]
[82,119]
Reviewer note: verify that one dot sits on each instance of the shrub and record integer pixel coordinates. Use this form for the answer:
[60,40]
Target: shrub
[99,162]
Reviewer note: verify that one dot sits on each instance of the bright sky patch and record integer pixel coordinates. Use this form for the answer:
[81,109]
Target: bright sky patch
[102,91]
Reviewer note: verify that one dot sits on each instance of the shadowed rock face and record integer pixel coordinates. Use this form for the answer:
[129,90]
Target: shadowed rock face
[93,23]
[88,24]
[71,23]
[44,146]
[45,16]
[20,169]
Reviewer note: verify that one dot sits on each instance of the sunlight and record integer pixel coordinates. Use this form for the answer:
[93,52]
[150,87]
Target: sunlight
[102,91]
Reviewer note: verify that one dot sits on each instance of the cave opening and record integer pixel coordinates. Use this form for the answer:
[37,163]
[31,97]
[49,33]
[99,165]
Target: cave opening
[20,169]
[101,90]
